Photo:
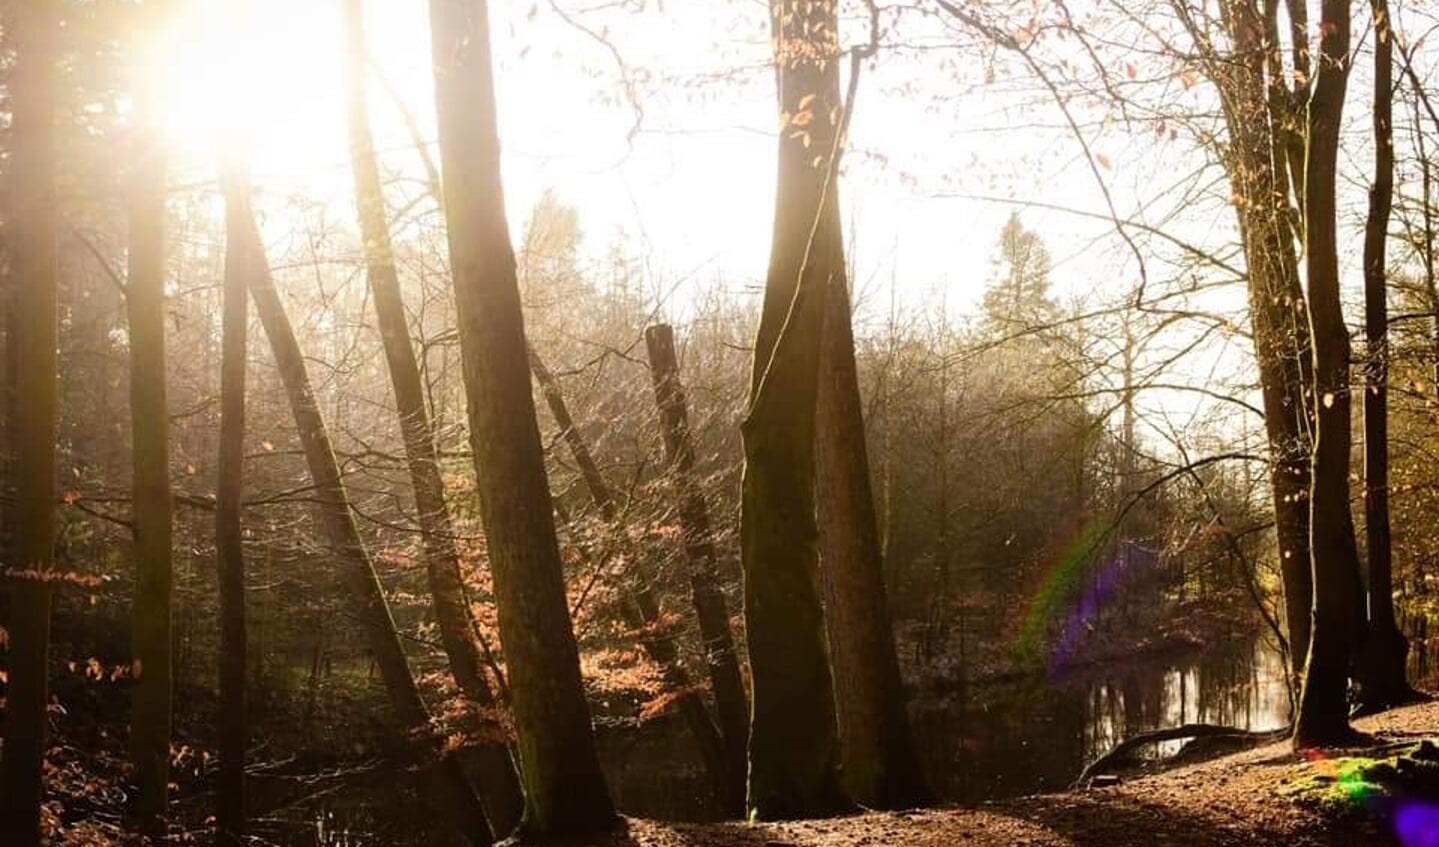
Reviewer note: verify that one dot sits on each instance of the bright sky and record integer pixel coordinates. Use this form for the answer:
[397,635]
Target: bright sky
[692,190]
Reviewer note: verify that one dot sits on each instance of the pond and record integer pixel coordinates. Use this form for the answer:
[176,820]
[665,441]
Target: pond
[1000,739]
[1035,734]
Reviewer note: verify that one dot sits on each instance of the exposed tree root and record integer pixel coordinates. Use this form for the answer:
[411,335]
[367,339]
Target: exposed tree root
[1124,751]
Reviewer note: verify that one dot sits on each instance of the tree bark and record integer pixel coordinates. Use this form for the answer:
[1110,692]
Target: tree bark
[565,791]
[1260,146]
[35,268]
[499,783]
[793,745]
[150,708]
[229,538]
[1384,682]
[878,764]
[711,610]
[9,324]
[1323,706]
[337,520]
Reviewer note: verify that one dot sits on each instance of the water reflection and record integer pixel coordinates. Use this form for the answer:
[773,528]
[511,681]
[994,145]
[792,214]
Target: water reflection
[984,742]
[1036,733]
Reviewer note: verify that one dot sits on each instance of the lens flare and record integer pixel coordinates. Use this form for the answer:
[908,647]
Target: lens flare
[1416,823]
[1061,584]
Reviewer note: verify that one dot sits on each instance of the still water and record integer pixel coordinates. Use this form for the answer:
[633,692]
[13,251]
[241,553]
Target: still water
[978,742]
[1036,734]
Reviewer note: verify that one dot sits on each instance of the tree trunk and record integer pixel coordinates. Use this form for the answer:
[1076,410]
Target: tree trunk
[499,783]
[229,538]
[878,765]
[565,791]
[35,268]
[9,303]
[1384,682]
[335,516]
[642,609]
[150,431]
[793,746]
[1323,706]
[721,659]
[1259,149]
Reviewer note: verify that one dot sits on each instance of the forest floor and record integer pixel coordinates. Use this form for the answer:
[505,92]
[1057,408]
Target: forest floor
[1266,796]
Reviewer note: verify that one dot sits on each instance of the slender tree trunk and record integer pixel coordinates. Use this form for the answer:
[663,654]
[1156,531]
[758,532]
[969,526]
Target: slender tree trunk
[1426,240]
[1384,680]
[370,608]
[1261,144]
[499,783]
[642,609]
[711,610]
[878,764]
[1323,705]
[229,539]
[150,452]
[574,439]
[35,268]
[565,791]
[793,746]
[9,397]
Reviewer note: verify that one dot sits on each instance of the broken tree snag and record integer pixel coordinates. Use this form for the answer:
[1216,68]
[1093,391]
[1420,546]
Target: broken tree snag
[711,609]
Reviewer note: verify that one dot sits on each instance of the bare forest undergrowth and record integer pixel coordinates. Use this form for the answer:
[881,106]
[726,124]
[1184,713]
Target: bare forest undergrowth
[1248,798]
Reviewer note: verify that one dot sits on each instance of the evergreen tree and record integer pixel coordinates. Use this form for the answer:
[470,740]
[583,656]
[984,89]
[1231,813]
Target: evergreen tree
[1017,297]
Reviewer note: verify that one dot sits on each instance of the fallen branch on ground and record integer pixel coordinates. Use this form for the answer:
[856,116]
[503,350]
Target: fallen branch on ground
[1125,749]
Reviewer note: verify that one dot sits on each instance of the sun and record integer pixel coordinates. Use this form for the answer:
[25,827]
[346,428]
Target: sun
[264,76]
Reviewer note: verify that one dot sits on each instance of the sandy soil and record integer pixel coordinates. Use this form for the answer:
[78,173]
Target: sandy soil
[1237,800]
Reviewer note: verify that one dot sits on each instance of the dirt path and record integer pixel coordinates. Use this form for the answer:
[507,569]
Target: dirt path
[1236,800]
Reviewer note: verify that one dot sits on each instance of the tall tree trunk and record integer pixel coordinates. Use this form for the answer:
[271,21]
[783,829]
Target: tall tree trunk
[1323,706]
[721,658]
[878,766]
[1261,143]
[229,538]
[150,452]
[793,746]
[337,519]
[642,610]
[1384,681]
[35,268]
[9,397]
[499,783]
[565,790]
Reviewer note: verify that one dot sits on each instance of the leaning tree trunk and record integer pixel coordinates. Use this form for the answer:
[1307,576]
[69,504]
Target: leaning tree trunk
[337,520]
[229,537]
[1323,716]
[150,452]
[1384,681]
[1259,149]
[565,791]
[793,747]
[35,267]
[721,659]
[878,764]
[499,783]
[642,611]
